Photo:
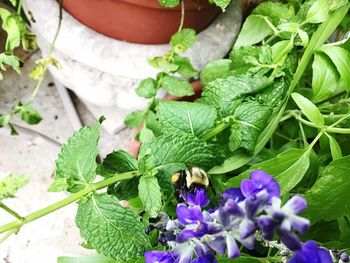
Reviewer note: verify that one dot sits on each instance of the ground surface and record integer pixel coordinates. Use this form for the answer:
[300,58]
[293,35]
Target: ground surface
[33,153]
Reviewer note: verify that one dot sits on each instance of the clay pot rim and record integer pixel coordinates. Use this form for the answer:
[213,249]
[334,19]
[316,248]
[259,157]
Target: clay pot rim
[203,4]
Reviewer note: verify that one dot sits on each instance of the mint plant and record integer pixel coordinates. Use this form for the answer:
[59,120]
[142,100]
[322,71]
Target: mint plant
[271,129]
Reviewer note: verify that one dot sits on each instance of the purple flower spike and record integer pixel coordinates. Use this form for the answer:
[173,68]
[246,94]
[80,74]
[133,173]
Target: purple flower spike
[259,181]
[234,194]
[205,259]
[159,257]
[189,215]
[311,253]
[198,198]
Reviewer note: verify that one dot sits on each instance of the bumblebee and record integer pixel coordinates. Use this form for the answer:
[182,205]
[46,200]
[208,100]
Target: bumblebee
[187,180]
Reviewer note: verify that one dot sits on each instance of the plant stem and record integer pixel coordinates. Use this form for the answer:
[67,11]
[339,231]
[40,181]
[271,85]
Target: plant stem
[72,198]
[210,134]
[10,211]
[182,16]
[7,235]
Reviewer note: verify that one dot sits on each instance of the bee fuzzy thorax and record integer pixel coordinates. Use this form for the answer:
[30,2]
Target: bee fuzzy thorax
[196,176]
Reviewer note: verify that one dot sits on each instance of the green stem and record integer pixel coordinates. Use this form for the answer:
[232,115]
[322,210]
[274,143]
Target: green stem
[10,211]
[19,7]
[72,198]
[7,235]
[213,132]
[182,16]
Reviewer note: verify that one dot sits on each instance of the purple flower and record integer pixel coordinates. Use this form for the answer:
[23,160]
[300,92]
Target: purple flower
[159,257]
[205,259]
[234,194]
[311,253]
[198,198]
[259,181]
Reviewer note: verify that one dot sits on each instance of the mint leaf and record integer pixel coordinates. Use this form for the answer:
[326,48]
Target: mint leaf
[183,39]
[227,93]
[308,108]
[176,87]
[185,117]
[275,11]
[10,184]
[185,67]
[341,59]
[114,231]
[169,3]
[288,168]
[146,135]
[86,259]
[254,30]
[15,28]
[163,64]
[147,88]
[222,3]
[9,60]
[150,195]
[77,160]
[324,78]
[183,149]
[215,69]
[58,185]
[135,119]
[326,198]
[250,119]
[117,162]
[30,115]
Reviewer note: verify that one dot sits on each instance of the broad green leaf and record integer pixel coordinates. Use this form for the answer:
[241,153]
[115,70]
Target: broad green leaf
[281,49]
[226,93]
[117,162]
[318,12]
[341,59]
[163,64]
[289,27]
[77,160]
[146,163]
[183,39]
[276,11]
[135,119]
[10,184]
[304,37]
[222,3]
[308,108]
[15,28]
[183,149]
[215,69]
[250,119]
[114,231]
[237,160]
[150,195]
[288,168]
[176,87]
[30,115]
[185,117]
[327,198]
[169,3]
[147,88]
[324,78]
[59,185]
[146,135]
[335,148]
[86,259]
[254,30]
[9,60]
[185,67]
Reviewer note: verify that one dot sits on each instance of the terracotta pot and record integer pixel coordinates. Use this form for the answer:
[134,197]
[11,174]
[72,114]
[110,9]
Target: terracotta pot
[134,146]
[140,21]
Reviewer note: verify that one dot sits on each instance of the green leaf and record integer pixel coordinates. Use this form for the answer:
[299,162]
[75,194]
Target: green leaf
[186,118]
[169,3]
[147,88]
[324,78]
[185,67]
[135,119]
[117,162]
[237,160]
[114,231]
[60,184]
[163,64]
[146,135]
[341,59]
[86,259]
[327,197]
[183,39]
[226,94]
[150,195]
[77,160]
[318,12]
[335,148]
[222,3]
[183,149]
[254,30]
[215,69]
[176,87]
[10,184]
[281,49]
[15,28]
[308,108]
[9,60]
[288,168]
[250,119]
[30,115]
[276,11]
[146,163]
